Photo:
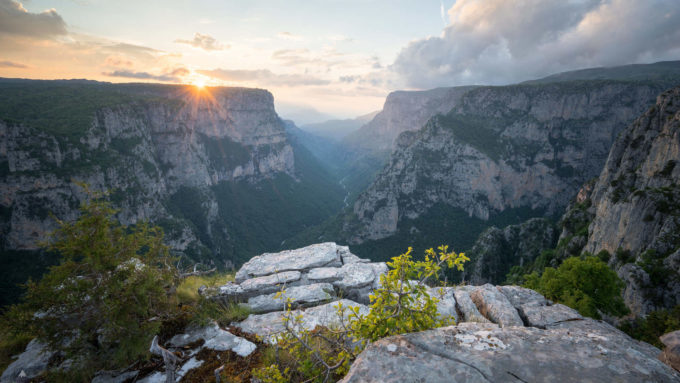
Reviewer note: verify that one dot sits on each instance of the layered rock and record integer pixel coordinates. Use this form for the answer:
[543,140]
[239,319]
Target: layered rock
[404,111]
[501,148]
[305,277]
[636,210]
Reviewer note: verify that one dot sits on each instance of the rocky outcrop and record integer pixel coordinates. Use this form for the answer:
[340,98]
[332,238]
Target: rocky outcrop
[636,210]
[574,351]
[501,148]
[305,277]
[404,111]
[29,364]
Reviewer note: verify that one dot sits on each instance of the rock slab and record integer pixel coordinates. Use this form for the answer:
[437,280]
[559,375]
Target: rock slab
[577,351]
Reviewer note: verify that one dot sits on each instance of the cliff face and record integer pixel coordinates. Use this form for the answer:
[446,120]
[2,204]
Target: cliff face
[404,111]
[214,168]
[142,153]
[501,148]
[635,201]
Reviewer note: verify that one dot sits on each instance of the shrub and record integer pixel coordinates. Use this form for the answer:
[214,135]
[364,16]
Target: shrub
[106,299]
[657,323]
[587,285]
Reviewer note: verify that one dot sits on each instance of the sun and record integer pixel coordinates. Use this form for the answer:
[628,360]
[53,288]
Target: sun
[199,83]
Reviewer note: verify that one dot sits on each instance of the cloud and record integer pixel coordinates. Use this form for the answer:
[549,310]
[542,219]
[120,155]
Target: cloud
[16,20]
[172,76]
[10,64]
[205,42]
[263,77]
[499,42]
[290,36]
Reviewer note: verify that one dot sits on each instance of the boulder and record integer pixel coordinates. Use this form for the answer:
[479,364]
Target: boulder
[268,325]
[300,296]
[579,351]
[671,354]
[495,306]
[325,274]
[32,362]
[326,254]
[520,296]
[544,316]
[466,306]
[215,339]
[446,305]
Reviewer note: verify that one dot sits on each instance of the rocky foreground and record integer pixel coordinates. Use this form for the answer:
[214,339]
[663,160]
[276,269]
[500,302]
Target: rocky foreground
[504,333]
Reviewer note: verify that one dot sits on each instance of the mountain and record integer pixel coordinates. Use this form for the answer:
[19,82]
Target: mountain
[663,71]
[403,111]
[500,156]
[215,168]
[636,207]
[338,129]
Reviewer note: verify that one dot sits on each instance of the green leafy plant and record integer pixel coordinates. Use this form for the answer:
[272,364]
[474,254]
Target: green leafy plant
[587,285]
[106,299]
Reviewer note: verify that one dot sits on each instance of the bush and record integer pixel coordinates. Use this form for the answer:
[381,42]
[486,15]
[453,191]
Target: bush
[587,285]
[657,323]
[401,305]
[106,299]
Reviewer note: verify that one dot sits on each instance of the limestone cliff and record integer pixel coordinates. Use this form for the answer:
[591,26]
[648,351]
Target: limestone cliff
[635,201]
[500,149]
[208,166]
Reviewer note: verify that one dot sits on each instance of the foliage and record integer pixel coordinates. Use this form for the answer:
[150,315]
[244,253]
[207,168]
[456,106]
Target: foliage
[107,297]
[657,323]
[401,305]
[584,284]
[187,291]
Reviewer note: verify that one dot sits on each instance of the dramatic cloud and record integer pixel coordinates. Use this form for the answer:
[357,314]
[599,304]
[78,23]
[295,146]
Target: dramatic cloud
[10,64]
[172,76]
[16,20]
[263,77]
[202,41]
[498,41]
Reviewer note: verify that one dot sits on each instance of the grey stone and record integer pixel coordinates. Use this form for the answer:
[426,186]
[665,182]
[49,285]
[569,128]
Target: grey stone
[269,283]
[446,305]
[268,325]
[355,275]
[466,306]
[300,296]
[325,274]
[33,362]
[215,339]
[589,351]
[520,296]
[495,306]
[544,316]
[313,256]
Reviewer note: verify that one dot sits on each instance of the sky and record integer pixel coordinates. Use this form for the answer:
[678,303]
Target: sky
[330,58]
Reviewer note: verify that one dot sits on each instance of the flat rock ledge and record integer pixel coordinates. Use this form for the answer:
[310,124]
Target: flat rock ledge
[577,351]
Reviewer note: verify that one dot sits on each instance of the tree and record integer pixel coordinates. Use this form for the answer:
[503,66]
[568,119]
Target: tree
[587,285]
[106,299]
